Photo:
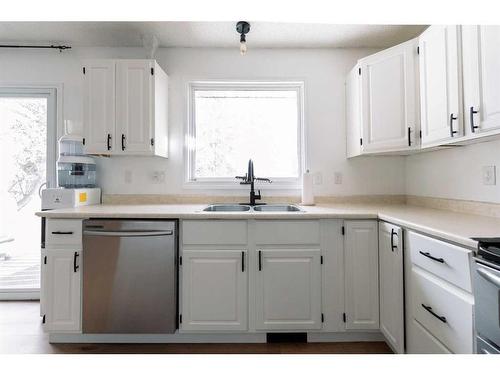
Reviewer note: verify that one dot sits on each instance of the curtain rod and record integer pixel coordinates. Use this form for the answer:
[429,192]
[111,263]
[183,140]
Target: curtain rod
[60,48]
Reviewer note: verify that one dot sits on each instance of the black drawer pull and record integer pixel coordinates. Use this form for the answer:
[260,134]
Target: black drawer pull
[61,232]
[409,136]
[75,266]
[123,142]
[242,261]
[108,142]
[429,309]
[428,255]
[260,260]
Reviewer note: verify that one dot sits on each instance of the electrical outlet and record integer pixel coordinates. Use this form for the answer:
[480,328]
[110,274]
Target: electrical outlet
[337,178]
[128,176]
[158,177]
[318,178]
[489,175]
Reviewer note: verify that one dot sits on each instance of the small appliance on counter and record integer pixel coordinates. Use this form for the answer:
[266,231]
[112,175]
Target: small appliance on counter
[76,179]
[74,168]
[486,274]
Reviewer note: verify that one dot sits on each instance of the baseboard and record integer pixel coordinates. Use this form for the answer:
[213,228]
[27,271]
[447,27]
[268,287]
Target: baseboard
[204,338]
[344,336]
[177,338]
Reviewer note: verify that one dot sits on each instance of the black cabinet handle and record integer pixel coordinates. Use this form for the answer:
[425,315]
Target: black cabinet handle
[242,261]
[409,136]
[429,309]
[393,232]
[61,232]
[109,142]
[428,255]
[472,126]
[260,260]
[75,266]
[452,118]
[123,142]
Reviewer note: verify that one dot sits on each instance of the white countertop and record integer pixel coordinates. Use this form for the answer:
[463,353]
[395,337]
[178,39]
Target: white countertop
[448,225]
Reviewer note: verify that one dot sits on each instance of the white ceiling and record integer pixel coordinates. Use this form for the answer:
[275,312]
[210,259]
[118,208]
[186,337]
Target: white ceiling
[207,34]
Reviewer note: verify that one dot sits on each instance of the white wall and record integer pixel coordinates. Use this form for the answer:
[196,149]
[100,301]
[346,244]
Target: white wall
[454,173]
[322,70]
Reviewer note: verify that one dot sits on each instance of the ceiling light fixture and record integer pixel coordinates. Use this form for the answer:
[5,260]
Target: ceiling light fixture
[243,27]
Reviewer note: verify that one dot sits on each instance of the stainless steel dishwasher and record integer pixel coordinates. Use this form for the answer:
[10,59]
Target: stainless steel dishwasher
[129,276]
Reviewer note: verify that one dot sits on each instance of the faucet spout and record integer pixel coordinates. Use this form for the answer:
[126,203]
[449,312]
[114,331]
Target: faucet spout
[249,179]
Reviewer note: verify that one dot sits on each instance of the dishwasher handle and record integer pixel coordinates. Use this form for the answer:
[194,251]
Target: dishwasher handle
[138,233]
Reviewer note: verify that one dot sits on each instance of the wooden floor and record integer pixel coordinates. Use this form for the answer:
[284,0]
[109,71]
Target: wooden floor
[21,332]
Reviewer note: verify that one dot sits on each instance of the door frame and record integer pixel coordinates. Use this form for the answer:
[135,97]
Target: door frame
[54,94]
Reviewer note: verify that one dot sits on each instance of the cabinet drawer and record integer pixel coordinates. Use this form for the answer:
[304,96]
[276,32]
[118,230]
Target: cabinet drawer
[63,232]
[450,262]
[443,310]
[214,232]
[420,341]
[287,232]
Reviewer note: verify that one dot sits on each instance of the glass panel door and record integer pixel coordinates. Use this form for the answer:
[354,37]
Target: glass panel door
[27,154]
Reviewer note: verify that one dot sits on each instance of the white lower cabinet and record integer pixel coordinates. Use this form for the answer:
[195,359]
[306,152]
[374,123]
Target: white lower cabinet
[214,290]
[288,289]
[391,285]
[61,290]
[439,305]
[361,275]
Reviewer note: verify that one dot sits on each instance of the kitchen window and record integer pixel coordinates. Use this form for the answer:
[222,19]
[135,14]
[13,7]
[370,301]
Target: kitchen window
[230,123]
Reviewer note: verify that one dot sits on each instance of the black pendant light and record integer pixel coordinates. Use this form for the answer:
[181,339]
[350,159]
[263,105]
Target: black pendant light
[243,27]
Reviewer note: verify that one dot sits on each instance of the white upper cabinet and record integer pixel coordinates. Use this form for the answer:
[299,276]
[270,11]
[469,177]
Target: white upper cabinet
[134,94]
[481,65]
[361,274]
[389,115]
[125,107]
[440,85]
[391,285]
[99,106]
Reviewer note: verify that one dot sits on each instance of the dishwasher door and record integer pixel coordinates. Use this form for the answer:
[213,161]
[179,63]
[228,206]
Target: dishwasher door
[129,276]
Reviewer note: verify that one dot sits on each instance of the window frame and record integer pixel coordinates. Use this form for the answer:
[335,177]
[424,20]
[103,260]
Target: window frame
[230,183]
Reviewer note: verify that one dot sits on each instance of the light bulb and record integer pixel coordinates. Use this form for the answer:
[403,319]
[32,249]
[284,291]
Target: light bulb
[243,47]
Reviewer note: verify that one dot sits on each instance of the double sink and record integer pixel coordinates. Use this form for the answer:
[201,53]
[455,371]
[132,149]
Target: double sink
[247,208]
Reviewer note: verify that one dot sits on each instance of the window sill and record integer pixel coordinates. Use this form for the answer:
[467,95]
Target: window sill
[227,185]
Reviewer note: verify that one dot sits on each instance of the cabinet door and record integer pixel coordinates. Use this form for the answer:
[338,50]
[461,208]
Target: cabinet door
[214,290]
[361,274]
[99,106]
[62,291]
[288,289]
[353,112]
[440,80]
[481,61]
[134,106]
[389,113]
[391,285]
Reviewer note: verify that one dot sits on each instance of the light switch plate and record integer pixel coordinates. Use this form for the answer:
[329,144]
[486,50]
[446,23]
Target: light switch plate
[318,178]
[489,175]
[337,178]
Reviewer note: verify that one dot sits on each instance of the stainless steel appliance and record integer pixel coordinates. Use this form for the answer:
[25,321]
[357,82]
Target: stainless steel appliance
[129,276]
[487,295]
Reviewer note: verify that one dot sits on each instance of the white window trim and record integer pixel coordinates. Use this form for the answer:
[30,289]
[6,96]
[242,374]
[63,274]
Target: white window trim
[229,183]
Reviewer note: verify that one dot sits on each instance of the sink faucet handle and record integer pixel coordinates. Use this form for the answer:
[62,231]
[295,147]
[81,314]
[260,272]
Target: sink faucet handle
[244,178]
[263,180]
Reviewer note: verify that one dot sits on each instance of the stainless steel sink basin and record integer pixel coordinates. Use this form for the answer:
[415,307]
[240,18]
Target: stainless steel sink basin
[226,208]
[277,208]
